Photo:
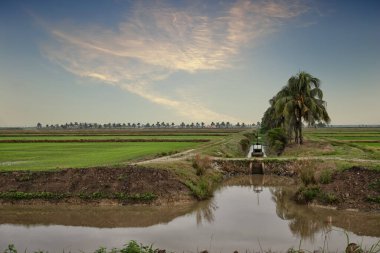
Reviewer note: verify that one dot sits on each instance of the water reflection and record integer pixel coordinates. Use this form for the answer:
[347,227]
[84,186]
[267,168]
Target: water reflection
[245,211]
[205,212]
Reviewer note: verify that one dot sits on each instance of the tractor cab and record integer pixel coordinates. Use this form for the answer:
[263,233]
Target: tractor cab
[257,150]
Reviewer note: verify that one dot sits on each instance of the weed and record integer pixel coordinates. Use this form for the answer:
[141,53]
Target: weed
[201,190]
[307,176]
[375,185]
[32,195]
[375,199]
[325,177]
[135,197]
[11,249]
[307,194]
[201,164]
[327,198]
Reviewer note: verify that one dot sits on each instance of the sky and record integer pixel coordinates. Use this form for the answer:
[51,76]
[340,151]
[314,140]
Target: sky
[147,61]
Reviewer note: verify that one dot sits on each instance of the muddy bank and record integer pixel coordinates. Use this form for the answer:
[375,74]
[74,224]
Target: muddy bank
[102,185]
[355,188]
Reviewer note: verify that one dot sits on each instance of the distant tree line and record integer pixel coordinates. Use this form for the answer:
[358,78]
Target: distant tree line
[85,125]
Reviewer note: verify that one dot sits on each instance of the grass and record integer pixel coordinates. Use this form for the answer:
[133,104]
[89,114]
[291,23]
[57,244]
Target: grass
[111,137]
[47,156]
[309,193]
[338,142]
[131,247]
[229,146]
[16,195]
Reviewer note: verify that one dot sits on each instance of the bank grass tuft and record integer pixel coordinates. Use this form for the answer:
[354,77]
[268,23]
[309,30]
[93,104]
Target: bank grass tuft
[16,195]
[201,164]
[307,176]
[309,193]
[326,176]
[203,189]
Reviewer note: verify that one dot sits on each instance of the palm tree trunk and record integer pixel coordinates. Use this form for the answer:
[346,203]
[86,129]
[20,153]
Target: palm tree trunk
[300,134]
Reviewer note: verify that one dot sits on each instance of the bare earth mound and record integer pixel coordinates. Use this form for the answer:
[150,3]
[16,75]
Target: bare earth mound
[129,184]
[356,188]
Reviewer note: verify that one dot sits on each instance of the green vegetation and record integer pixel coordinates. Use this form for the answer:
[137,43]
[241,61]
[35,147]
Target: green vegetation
[325,177]
[300,100]
[131,247]
[16,195]
[31,195]
[307,176]
[47,156]
[228,147]
[203,189]
[309,193]
[111,137]
[276,140]
[201,164]
[375,199]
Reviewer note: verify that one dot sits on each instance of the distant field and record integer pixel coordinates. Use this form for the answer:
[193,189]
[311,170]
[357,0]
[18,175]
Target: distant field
[120,132]
[46,156]
[109,137]
[362,143]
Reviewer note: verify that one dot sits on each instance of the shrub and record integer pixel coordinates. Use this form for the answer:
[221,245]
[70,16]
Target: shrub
[327,198]
[375,199]
[201,190]
[307,194]
[201,164]
[276,140]
[244,144]
[307,176]
[251,136]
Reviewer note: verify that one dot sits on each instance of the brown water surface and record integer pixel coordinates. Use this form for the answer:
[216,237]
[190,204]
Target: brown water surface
[246,214]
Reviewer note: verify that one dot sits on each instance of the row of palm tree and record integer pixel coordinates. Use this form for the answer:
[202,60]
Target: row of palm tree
[301,100]
[86,125]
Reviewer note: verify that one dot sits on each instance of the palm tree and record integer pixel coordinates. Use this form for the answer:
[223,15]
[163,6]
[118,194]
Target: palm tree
[301,100]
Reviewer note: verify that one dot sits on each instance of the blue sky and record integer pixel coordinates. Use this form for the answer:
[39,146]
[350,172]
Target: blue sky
[147,61]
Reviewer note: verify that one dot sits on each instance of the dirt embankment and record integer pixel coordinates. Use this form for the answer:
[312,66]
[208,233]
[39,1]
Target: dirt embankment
[355,188]
[129,184]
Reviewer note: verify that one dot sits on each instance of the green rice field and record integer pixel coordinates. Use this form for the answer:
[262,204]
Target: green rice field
[110,137]
[47,156]
[53,155]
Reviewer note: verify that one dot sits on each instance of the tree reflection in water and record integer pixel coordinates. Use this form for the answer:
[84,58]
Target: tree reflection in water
[302,222]
[205,212]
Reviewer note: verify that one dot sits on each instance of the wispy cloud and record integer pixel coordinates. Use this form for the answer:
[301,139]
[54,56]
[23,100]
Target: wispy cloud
[155,41]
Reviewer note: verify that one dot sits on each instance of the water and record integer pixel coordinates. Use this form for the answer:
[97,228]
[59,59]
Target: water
[246,214]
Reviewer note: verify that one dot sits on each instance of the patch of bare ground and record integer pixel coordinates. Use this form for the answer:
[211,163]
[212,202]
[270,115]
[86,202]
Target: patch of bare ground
[355,188]
[101,185]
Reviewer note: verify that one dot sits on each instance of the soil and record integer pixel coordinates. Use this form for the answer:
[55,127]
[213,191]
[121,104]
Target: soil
[129,180]
[352,188]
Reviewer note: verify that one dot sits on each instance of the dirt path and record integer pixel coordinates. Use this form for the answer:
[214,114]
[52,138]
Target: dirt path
[171,158]
[190,153]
